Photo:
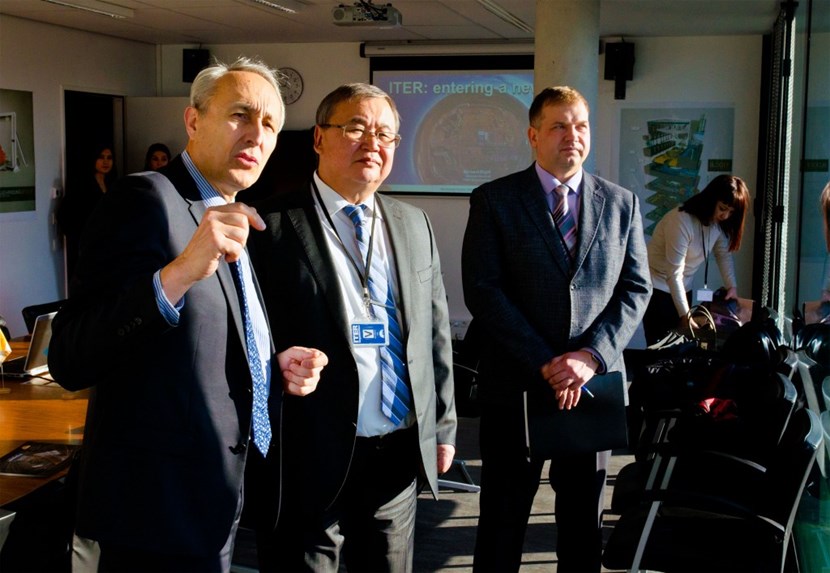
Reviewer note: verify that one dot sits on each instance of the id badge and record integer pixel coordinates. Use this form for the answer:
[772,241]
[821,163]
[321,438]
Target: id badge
[369,332]
[703,295]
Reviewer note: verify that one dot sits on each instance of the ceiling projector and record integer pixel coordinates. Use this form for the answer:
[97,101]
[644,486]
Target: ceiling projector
[366,14]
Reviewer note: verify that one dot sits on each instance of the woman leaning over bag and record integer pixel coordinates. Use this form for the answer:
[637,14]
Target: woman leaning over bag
[710,222]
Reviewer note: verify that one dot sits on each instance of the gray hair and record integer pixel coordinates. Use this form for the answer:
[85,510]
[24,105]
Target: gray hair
[348,92]
[204,86]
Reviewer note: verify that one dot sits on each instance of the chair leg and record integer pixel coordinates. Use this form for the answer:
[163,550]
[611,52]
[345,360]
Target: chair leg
[467,485]
[652,515]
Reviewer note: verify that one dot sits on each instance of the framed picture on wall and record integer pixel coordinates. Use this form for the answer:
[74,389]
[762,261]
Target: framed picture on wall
[667,154]
[17,163]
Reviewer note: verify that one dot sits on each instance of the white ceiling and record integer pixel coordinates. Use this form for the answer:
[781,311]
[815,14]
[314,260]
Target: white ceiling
[244,21]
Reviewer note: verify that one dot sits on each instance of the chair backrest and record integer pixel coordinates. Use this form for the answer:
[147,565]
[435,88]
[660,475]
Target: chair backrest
[30,313]
[813,341]
[466,358]
[754,342]
[787,363]
[761,404]
[808,380]
[768,405]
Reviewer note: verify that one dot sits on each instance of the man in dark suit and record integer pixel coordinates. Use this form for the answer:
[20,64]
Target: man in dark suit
[557,280]
[353,456]
[156,326]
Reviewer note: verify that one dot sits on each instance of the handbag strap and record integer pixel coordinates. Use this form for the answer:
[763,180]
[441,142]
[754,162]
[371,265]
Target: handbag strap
[696,329]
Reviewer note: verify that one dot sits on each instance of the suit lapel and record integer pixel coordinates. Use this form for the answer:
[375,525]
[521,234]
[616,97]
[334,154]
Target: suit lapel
[590,214]
[396,227]
[533,198]
[309,230]
[186,187]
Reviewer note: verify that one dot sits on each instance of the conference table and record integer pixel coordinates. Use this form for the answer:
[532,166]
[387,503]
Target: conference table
[36,410]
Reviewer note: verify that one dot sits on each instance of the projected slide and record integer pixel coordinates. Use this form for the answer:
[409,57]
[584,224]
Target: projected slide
[459,129]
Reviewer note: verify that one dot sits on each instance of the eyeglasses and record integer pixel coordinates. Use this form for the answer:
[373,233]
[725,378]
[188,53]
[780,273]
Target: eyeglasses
[356,132]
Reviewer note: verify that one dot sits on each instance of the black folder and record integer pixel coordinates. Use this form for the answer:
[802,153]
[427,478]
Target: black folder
[596,424]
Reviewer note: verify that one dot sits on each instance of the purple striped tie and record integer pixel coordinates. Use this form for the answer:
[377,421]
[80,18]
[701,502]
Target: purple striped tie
[565,220]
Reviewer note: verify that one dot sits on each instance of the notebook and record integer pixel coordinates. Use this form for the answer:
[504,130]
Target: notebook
[35,362]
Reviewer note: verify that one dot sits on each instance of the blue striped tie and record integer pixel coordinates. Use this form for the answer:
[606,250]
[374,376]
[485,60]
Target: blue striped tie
[565,220]
[260,419]
[396,399]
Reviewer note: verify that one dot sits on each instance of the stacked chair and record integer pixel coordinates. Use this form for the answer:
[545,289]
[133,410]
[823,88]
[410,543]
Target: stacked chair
[812,527]
[727,448]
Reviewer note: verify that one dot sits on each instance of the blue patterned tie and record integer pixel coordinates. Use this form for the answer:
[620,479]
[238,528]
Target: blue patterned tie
[565,220]
[261,421]
[396,399]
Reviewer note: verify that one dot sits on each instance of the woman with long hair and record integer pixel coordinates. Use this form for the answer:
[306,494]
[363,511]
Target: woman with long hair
[82,197]
[711,221]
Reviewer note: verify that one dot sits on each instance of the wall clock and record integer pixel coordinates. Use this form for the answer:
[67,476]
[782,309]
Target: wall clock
[291,85]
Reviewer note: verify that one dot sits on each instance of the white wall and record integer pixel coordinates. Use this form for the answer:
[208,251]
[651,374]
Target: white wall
[697,71]
[693,72]
[45,60]
[671,70]
[323,67]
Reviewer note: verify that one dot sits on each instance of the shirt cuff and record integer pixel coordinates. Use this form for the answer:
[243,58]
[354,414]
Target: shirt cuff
[600,365]
[170,312]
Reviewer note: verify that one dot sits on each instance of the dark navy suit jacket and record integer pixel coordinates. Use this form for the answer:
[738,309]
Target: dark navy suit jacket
[169,414]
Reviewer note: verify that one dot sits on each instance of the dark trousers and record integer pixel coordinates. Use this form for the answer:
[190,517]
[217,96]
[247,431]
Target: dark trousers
[508,485]
[118,558]
[371,524]
[661,316]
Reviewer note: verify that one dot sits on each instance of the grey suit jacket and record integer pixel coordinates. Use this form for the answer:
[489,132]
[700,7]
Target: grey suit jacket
[303,298]
[170,408]
[531,302]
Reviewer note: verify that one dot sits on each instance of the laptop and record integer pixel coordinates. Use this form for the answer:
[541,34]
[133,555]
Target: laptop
[35,362]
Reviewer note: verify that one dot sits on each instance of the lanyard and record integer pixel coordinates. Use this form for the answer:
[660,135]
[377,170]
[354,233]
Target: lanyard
[364,275]
[705,258]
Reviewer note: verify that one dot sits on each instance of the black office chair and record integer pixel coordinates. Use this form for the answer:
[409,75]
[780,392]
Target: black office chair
[740,519]
[30,313]
[466,356]
[759,404]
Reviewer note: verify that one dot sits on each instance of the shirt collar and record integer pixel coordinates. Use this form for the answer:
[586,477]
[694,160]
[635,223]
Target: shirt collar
[550,182]
[334,202]
[209,195]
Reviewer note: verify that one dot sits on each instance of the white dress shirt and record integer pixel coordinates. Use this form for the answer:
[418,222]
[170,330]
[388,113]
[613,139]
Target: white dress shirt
[342,244]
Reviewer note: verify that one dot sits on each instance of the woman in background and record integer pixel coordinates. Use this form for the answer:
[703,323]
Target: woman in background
[82,198]
[825,211]
[710,222]
[158,155]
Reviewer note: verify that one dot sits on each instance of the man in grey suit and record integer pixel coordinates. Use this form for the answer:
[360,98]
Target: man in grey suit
[382,419]
[157,327]
[557,280]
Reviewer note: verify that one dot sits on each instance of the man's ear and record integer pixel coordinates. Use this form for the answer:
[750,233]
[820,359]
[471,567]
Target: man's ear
[531,136]
[318,138]
[191,116]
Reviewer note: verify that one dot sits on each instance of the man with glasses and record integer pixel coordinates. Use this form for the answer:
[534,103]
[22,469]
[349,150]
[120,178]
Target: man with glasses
[356,275]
